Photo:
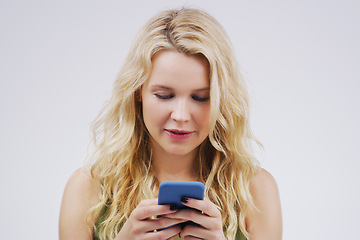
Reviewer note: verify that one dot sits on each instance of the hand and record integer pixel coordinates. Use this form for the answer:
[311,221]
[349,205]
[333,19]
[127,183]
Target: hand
[209,219]
[142,224]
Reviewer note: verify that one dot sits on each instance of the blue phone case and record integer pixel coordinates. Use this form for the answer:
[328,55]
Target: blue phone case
[171,192]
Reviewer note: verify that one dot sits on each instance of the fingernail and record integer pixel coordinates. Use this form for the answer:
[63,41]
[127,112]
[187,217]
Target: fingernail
[173,207]
[184,200]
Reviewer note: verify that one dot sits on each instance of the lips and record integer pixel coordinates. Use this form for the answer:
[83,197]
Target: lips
[176,131]
[178,135]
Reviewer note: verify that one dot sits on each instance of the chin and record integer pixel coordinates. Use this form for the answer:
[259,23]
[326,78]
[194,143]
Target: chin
[180,151]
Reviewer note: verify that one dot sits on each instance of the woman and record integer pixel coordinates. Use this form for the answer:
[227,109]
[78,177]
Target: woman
[178,111]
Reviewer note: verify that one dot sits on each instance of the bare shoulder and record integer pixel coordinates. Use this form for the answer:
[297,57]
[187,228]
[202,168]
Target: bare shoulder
[263,181]
[264,221]
[81,180]
[80,195]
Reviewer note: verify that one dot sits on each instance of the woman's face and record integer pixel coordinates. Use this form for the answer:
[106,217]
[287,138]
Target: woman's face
[176,102]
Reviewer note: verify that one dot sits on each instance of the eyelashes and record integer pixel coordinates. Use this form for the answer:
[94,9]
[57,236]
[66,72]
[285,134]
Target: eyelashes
[200,99]
[165,96]
[194,97]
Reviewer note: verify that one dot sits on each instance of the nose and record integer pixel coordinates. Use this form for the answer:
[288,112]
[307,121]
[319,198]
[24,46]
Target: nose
[181,111]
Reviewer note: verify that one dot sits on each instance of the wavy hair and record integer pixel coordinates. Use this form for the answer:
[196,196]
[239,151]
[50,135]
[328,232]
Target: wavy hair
[121,161]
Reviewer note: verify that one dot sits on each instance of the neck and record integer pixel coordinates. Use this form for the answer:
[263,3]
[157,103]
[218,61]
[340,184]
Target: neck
[169,167]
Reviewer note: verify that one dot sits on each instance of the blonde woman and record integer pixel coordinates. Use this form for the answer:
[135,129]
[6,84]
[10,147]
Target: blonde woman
[179,111]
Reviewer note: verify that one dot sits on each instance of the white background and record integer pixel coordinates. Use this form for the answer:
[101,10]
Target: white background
[300,59]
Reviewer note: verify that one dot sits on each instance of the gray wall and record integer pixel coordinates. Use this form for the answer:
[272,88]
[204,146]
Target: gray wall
[300,60]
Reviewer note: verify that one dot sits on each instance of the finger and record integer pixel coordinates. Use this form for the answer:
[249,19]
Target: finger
[164,223]
[151,225]
[146,212]
[192,238]
[168,233]
[192,232]
[204,220]
[148,202]
[197,217]
[205,206]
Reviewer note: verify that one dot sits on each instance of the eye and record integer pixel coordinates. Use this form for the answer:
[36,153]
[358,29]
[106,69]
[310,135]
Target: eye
[200,99]
[164,96]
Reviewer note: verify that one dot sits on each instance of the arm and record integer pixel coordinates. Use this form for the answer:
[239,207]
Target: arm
[265,222]
[79,196]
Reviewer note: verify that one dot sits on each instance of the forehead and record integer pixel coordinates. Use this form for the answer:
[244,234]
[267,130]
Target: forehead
[171,67]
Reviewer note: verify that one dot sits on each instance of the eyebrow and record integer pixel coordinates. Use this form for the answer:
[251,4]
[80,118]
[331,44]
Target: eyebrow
[203,89]
[168,88]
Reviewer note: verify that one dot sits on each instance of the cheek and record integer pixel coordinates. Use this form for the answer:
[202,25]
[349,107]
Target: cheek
[153,113]
[203,116]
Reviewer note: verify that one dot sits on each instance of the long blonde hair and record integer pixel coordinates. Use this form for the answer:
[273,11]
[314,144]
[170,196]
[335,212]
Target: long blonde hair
[121,161]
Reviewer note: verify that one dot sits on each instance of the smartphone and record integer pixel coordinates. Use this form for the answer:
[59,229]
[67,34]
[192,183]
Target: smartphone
[171,192]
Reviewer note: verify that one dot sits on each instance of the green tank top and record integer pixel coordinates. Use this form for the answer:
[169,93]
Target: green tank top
[102,217]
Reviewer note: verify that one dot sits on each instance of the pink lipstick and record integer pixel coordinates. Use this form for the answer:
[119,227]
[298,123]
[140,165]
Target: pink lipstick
[178,135]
